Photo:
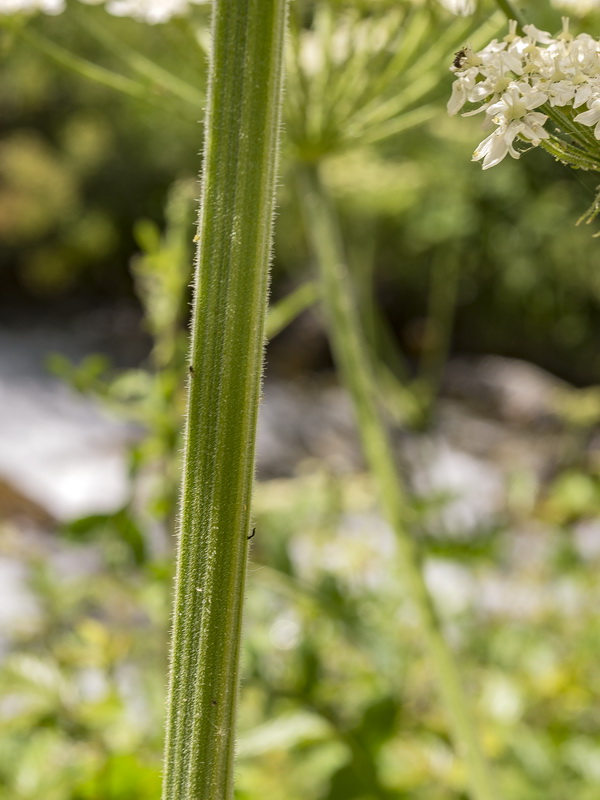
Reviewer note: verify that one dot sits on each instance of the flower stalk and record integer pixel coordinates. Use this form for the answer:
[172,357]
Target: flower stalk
[234,235]
[353,363]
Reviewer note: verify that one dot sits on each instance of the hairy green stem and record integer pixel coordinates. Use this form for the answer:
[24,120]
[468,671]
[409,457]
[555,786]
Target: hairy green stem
[352,360]
[236,213]
[575,158]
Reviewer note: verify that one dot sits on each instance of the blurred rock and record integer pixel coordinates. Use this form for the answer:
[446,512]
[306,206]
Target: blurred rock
[62,456]
[586,537]
[59,450]
[507,444]
[16,506]
[302,420]
[470,491]
[505,388]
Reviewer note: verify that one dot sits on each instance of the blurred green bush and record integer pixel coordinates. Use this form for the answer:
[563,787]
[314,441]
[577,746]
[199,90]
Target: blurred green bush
[339,700]
[81,164]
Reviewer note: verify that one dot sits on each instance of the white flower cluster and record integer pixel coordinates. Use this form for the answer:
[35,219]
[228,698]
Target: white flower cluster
[151,11]
[462,8]
[30,6]
[512,78]
[576,6]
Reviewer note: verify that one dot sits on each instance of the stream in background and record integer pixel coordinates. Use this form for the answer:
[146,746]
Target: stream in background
[496,440]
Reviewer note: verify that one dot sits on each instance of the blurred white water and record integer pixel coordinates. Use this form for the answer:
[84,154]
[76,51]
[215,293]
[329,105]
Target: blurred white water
[62,457]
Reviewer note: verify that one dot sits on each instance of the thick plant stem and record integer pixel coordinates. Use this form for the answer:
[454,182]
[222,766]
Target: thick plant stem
[234,234]
[352,361]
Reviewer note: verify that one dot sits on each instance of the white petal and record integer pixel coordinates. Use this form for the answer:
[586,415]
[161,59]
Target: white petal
[458,98]
[492,150]
[588,117]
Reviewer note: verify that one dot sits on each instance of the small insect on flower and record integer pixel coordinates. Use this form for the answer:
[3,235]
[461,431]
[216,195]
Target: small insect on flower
[459,58]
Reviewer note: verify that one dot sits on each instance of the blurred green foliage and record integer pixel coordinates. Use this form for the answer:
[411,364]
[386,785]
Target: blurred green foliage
[80,164]
[338,701]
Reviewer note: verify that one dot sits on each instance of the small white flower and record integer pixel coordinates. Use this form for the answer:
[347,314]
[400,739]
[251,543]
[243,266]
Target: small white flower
[499,144]
[536,35]
[492,87]
[492,149]
[516,101]
[460,90]
[561,93]
[532,127]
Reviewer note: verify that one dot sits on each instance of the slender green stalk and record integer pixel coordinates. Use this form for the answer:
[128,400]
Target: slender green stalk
[575,158]
[443,286]
[83,67]
[404,122]
[150,93]
[350,354]
[285,311]
[236,212]
[136,61]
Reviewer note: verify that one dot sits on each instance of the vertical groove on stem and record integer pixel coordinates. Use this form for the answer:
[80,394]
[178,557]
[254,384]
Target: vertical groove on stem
[352,361]
[236,215]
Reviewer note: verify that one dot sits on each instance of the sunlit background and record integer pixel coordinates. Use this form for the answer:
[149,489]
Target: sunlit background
[480,298]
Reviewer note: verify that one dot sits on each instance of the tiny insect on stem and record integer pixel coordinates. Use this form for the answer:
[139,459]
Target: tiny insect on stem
[252,534]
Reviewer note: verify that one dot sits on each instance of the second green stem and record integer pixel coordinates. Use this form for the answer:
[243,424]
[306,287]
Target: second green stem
[351,357]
